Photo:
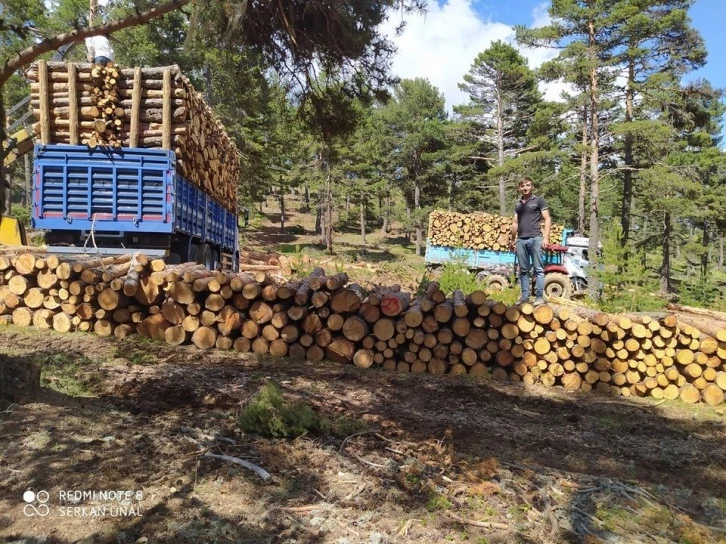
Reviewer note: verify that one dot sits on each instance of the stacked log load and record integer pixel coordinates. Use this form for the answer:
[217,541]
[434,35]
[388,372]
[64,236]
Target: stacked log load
[476,230]
[325,317]
[136,107]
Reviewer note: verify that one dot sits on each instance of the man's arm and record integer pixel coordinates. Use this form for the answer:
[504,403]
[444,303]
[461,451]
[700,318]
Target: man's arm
[547,227]
[515,228]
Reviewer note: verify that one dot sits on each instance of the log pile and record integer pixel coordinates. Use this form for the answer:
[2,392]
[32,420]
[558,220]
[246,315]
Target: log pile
[325,317]
[136,107]
[476,230]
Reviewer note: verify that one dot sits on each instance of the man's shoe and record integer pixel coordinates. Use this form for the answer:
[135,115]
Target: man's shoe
[539,301]
[522,301]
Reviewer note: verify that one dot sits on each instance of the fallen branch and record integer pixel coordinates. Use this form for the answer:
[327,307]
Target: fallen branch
[484,524]
[354,435]
[262,473]
[629,404]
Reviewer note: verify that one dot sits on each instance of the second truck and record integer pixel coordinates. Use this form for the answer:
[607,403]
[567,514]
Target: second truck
[480,242]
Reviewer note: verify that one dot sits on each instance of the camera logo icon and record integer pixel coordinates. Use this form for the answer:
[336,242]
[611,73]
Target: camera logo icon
[36,503]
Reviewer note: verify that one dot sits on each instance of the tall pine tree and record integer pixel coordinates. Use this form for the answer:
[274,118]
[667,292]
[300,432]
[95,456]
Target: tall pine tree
[503,98]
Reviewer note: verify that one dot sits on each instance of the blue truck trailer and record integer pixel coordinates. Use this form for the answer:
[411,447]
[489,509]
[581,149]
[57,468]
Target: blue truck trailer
[122,200]
[565,267]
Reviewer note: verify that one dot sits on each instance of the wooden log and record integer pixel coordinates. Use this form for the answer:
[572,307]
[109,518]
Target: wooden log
[204,337]
[304,292]
[394,303]
[347,300]
[341,350]
[355,328]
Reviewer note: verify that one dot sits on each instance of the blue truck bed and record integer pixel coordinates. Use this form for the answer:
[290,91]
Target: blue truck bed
[124,192]
[481,259]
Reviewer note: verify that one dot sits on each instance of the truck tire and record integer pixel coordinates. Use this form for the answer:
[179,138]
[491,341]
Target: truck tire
[194,254]
[495,282]
[557,284]
[215,260]
[205,256]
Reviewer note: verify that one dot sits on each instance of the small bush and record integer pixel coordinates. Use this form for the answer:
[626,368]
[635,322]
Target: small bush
[268,414]
[455,275]
[22,214]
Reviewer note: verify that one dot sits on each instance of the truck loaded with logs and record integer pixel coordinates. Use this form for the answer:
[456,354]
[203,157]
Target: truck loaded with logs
[131,160]
[480,241]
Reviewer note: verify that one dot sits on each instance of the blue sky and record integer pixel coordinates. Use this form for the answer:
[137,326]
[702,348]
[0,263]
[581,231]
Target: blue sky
[442,44]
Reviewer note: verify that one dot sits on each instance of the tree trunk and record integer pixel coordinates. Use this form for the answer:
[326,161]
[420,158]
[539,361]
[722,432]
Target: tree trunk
[8,192]
[92,12]
[583,176]
[386,211]
[3,139]
[28,181]
[665,268]
[627,203]
[329,209]
[319,218]
[593,281]
[500,154]
[451,192]
[417,204]
[643,254]
[705,257]
[282,211]
[363,218]
[307,196]
[408,222]
[720,251]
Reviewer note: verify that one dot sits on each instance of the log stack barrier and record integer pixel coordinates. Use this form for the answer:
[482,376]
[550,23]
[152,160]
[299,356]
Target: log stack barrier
[325,317]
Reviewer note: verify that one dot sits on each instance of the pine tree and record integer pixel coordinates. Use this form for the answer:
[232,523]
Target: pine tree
[655,38]
[503,97]
[416,118]
[583,30]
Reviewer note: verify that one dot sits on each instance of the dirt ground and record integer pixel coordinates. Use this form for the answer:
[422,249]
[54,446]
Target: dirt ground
[425,458]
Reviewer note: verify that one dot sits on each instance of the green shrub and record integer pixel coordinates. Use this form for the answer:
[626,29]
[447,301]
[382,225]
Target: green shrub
[628,284]
[22,214]
[268,414]
[455,275]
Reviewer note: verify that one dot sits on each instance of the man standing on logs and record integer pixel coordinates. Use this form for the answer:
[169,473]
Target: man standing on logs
[99,50]
[527,230]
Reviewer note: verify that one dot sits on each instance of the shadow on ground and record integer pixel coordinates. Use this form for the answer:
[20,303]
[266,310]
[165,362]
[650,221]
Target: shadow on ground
[135,433]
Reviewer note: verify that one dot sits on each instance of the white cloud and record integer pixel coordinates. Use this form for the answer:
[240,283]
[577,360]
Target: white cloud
[442,44]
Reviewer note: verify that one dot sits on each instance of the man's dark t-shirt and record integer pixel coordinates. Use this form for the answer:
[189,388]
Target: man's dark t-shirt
[529,216]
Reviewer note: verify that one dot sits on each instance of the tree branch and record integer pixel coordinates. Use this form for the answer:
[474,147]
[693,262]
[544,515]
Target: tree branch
[29,54]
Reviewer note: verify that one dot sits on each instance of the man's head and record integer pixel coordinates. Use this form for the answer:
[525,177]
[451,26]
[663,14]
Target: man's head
[526,186]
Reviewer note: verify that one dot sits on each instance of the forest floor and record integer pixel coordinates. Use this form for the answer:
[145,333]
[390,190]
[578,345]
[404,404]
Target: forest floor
[412,458]
[384,259]
[408,458]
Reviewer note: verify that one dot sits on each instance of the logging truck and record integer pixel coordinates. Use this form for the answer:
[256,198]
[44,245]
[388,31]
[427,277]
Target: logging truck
[131,160]
[481,243]
[123,200]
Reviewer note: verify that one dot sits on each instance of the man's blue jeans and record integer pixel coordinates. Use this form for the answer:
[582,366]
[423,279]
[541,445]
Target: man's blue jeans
[529,256]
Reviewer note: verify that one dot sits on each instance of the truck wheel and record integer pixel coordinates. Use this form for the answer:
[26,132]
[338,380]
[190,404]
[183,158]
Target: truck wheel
[495,282]
[557,285]
[215,260]
[205,256]
[194,254]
